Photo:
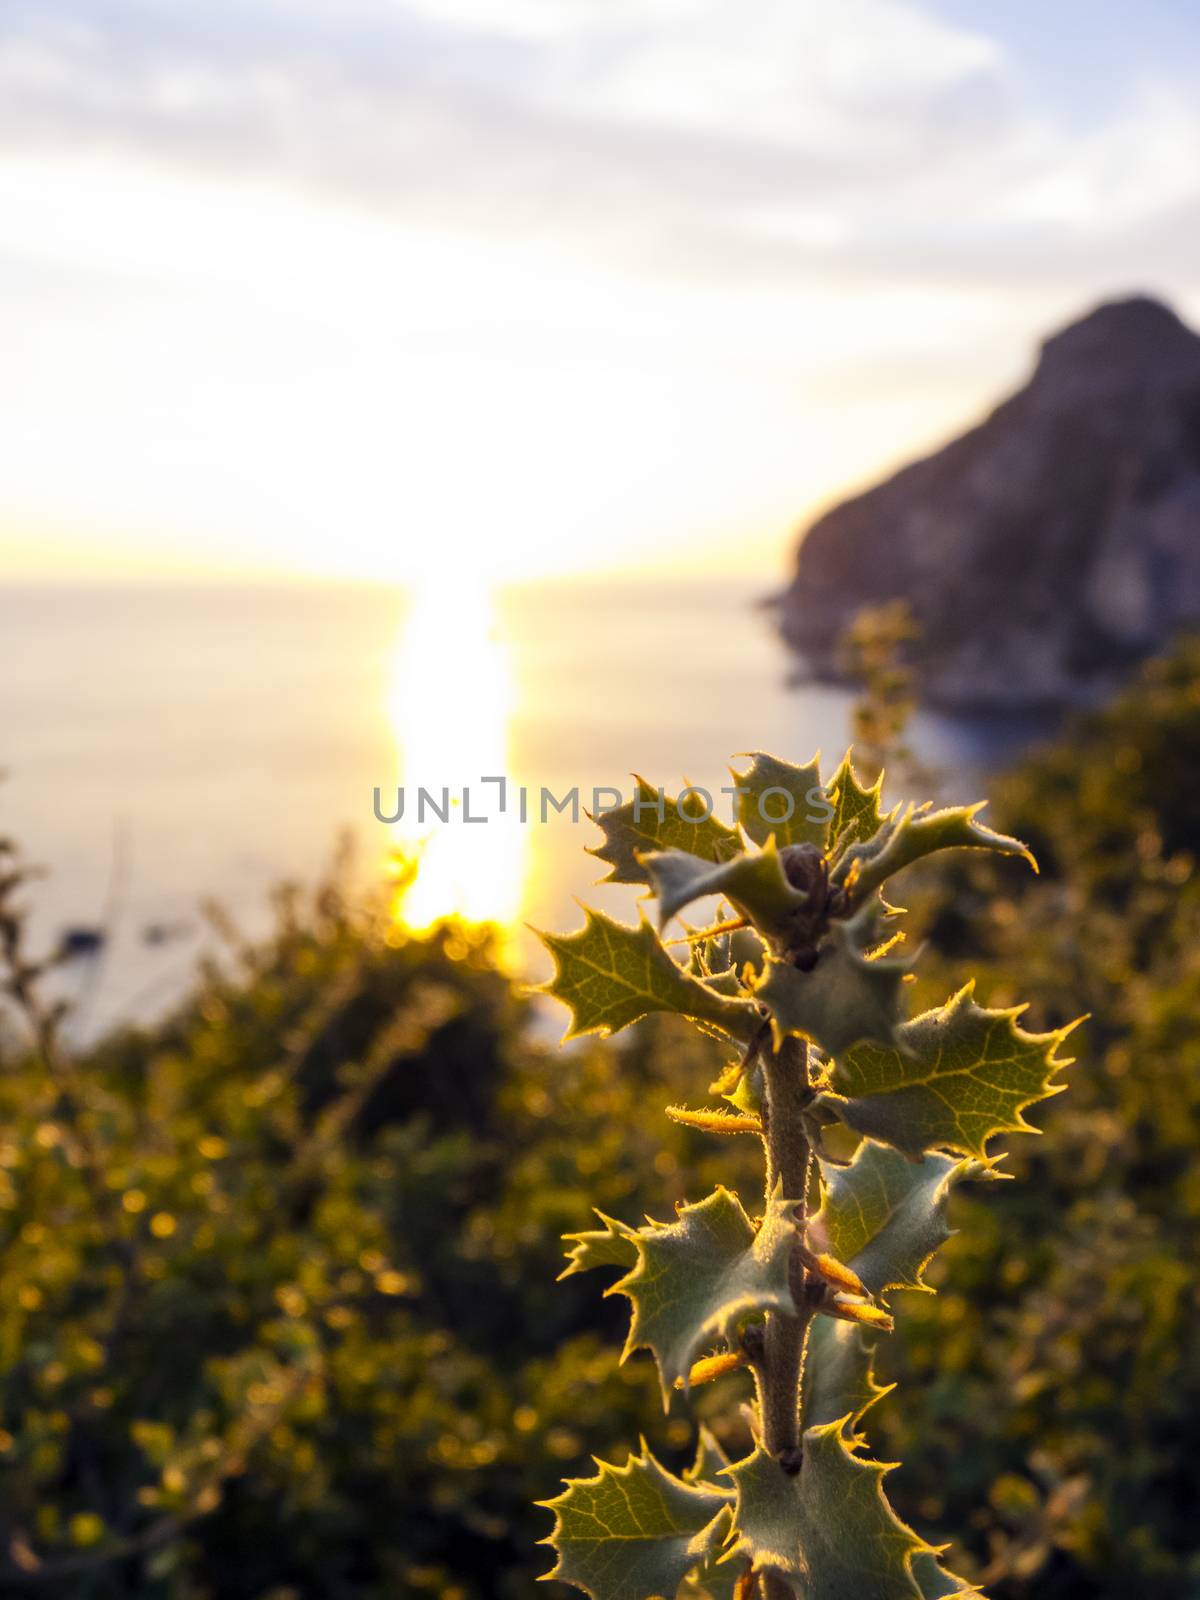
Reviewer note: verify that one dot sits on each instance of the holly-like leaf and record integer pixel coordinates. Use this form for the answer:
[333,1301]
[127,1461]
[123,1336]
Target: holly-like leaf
[828,1529]
[916,833]
[954,1077]
[709,1463]
[884,1215]
[717,1579]
[652,821]
[610,1246]
[935,1583]
[856,812]
[610,975]
[783,800]
[753,882]
[634,1532]
[849,995]
[698,1277]
[839,1375]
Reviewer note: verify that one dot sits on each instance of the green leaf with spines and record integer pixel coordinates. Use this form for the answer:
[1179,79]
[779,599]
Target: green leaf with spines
[808,820]
[634,1532]
[955,1077]
[849,995]
[717,1579]
[884,1215]
[839,1374]
[610,1246]
[708,1463]
[610,975]
[915,833]
[753,882]
[828,1529]
[635,827]
[699,1276]
[935,1583]
[857,815]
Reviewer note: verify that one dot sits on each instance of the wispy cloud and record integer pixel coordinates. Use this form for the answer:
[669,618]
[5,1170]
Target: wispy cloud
[783,138]
[749,252]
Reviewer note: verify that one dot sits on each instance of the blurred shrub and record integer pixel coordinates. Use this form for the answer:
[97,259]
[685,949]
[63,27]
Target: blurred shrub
[1059,1383]
[277,1309]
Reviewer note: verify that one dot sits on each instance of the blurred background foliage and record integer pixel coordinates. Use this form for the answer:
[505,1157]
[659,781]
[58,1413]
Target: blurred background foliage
[277,1304]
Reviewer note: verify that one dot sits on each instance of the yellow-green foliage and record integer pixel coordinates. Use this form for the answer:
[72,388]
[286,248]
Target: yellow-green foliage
[1049,1394]
[275,1308]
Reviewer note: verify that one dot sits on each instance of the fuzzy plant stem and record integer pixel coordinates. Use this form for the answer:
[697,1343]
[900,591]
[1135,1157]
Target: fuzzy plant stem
[780,1370]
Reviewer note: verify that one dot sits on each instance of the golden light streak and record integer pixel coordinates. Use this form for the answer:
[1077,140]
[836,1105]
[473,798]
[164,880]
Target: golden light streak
[449,703]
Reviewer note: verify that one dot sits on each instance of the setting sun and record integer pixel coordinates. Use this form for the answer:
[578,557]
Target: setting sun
[449,704]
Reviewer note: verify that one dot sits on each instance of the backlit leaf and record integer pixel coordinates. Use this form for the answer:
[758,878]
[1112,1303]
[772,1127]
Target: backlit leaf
[955,1077]
[709,1463]
[783,800]
[716,1580]
[856,812]
[916,833]
[645,823]
[935,1583]
[846,997]
[698,1277]
[885,1215]
[827,1529]
[753,882]
[610,975]
[839,1377]
[609,1246]
[634,1532]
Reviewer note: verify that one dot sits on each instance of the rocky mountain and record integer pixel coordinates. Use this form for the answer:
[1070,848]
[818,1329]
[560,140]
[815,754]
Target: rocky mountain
[1046,549]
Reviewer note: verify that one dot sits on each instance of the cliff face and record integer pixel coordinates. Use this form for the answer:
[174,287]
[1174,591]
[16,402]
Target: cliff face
[1048,548]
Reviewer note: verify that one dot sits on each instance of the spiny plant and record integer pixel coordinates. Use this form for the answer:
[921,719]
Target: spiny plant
[802,976]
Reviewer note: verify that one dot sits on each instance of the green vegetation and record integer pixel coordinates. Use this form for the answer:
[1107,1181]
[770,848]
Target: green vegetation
[277,1303]
[799,979]
[1059,1380]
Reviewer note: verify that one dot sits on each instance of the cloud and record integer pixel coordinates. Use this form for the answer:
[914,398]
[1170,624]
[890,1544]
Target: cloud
[783,140]
[322,253]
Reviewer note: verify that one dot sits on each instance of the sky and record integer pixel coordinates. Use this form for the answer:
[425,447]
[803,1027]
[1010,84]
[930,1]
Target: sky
[396,289]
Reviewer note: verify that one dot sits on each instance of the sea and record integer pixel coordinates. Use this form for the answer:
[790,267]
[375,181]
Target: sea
[166,746]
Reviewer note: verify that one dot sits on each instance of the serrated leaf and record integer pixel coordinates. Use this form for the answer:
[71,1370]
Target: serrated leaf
[698,1277]
[610,1246]
[935,1583]
[746,1096]
[846,997]
[856,811]
[716,1580]
[753,882]
[839,1375]
[885,1215]
[634,1532]
[955,1077]
[828,1529]
[609,975]
[709,1462]
[636,827]
[783,800]
[917,833]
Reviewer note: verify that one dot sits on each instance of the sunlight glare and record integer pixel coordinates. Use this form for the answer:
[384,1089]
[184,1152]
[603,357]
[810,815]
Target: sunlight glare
[449,704]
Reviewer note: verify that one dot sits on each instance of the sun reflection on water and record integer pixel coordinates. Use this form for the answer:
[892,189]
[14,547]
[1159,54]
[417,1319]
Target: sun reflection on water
[449,702]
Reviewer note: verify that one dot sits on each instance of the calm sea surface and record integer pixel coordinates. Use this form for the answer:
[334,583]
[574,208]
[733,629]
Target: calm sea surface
[166,745]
